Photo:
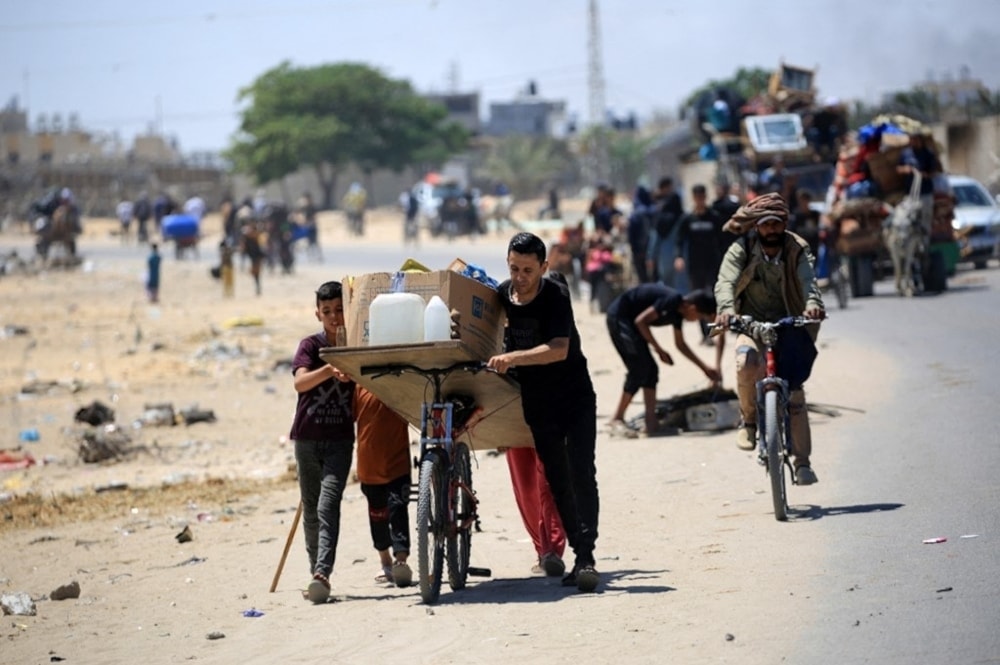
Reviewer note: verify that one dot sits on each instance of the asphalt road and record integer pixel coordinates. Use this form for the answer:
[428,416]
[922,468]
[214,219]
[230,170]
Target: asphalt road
[924,465]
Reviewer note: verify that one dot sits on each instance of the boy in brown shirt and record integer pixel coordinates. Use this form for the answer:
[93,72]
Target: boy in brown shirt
[384,471]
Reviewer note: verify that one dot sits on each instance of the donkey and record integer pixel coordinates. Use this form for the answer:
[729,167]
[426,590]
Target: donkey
[903,234]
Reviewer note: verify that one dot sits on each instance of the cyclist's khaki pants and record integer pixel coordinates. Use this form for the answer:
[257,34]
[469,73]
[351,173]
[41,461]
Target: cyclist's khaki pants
[750,369]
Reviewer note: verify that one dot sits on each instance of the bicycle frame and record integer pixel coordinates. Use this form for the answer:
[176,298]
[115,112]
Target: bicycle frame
[772,383]
[446,502]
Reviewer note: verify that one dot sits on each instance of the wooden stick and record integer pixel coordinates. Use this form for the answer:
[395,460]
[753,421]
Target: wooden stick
[288,544]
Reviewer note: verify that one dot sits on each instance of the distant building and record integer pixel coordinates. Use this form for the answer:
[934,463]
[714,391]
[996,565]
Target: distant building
[462,108]
[528,115]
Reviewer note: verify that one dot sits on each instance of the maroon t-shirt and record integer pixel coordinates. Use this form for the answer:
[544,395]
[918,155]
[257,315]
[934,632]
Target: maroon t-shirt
[323,413]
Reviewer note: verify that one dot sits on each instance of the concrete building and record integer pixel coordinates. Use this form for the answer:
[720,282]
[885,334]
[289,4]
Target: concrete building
[462,107]
[528,115]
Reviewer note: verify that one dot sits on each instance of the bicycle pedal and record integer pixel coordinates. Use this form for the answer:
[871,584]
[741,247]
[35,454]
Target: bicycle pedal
[480,572]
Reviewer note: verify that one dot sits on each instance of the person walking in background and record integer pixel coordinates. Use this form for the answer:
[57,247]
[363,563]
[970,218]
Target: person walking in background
[153,274]
[631,317]
[557,395]
[384,472]
[323,432]
[226,268]
[250,246]
[124,210]
[637,231]
[662,249]
[307,217]
[142,211]
[699,241]
[538,510]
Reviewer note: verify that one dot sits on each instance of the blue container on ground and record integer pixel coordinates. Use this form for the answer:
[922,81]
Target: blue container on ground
[179,226]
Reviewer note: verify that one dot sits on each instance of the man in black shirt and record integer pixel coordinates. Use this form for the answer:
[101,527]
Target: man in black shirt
[630,317]
[699,246]
[557,396]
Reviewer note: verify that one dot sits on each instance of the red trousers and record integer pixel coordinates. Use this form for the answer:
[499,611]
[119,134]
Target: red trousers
[534,500]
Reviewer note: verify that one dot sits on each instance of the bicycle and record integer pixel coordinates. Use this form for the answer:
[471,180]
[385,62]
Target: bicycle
[446,501]
[774,431]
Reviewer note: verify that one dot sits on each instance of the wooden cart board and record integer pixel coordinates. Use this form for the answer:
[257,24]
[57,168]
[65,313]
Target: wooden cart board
[501,424]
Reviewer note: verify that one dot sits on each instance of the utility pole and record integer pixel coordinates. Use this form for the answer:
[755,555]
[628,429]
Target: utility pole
[598,153]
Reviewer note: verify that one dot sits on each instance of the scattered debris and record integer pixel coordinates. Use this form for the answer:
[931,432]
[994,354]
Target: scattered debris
[215,635]
[730,637]
[29,435]
[190,562]
[66,591]
[48,538]
[243,322]
[158,415]
[218,350]
[252,613]
[945,589]
[13,460]
[116,486]
[185,536]
[18,604]
[11,330]
[193,414]
[95,414]
[970,535]
[109,442]
[935,541]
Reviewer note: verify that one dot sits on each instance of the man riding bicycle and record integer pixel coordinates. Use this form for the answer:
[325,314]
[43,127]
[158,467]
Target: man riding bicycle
[768,274]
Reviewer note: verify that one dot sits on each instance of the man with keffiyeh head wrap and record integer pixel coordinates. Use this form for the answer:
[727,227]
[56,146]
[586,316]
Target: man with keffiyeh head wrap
[767,273]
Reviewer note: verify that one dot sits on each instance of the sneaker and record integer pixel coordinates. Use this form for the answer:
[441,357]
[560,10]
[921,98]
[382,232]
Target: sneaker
[402,574]
[570,578]
[552,564]
[746,437]
[804,475]
[587,579]
[319,589]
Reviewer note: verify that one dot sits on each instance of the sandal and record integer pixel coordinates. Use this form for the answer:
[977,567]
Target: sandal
[384,576]
[319,589]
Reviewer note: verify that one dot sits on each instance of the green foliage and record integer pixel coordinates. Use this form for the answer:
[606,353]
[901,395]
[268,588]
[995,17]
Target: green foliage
[525,164]
[336,114]
[627,153]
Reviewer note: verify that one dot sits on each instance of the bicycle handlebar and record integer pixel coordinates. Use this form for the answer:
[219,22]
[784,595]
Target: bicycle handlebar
[376,371]
[748,326]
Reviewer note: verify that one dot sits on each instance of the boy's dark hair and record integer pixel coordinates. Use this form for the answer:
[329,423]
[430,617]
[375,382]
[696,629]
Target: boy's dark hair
[703,301]
[698,190]
[329,291]
[527,243]
[665,182]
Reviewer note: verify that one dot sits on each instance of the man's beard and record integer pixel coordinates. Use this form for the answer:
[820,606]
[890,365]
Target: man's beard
[775,240]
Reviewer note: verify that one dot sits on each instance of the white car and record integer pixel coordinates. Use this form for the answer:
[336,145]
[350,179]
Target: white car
[977,220]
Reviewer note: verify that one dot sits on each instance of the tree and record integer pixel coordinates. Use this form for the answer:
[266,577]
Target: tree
[331,115]
[525,164]
[627,152]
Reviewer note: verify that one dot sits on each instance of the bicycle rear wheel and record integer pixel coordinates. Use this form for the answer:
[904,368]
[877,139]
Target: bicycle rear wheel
[774,441]
[460,540]
[431,525]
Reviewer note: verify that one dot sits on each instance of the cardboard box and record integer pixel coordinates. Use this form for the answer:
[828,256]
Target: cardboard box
[481,317]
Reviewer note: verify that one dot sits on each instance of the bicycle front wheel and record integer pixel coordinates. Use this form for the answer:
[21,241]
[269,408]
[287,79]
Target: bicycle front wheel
[774,440]
[431,525]
[460,538]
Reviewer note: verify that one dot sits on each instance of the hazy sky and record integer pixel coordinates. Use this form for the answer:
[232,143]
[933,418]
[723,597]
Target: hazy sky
[119,64]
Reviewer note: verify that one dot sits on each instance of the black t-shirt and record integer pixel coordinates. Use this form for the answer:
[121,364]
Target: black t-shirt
[629,305]
[548,316]
[700,236]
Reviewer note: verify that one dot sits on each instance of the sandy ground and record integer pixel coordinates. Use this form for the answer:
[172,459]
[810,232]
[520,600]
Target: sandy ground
[680,515]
